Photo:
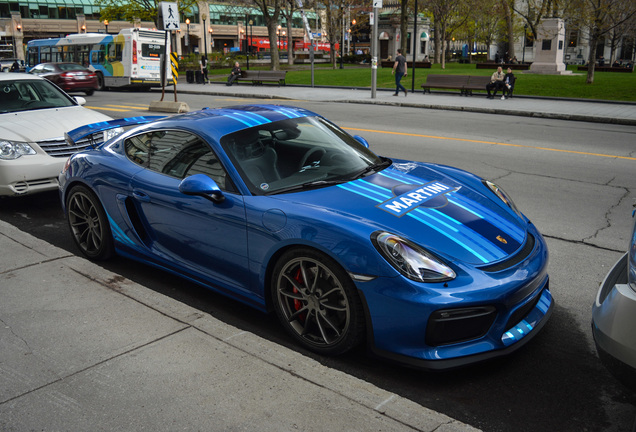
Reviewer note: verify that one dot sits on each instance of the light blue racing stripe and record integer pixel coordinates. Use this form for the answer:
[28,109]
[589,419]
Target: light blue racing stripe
[250,120]
[118,233]
[515,232]
[470,239]
[249,124]
[395,177]
[286,112]
[463,245]
[450,236]
[359,193]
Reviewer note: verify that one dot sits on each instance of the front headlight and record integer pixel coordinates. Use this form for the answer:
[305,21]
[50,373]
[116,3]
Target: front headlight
[411,260]
[502,196]
[12,149]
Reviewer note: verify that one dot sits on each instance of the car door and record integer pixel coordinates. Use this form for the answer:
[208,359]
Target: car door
[190,233]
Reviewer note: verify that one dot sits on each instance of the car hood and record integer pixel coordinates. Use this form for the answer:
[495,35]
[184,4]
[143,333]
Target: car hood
[458,220]
[37,125]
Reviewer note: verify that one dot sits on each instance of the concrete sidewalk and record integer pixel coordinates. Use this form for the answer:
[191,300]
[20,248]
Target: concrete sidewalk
[556,108]
[83,349]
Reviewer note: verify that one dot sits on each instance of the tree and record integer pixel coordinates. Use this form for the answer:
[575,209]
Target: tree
[448,16]
[133,10]
[602,17]
[271,10]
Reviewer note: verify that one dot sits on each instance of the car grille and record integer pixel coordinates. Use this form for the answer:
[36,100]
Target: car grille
[58,147]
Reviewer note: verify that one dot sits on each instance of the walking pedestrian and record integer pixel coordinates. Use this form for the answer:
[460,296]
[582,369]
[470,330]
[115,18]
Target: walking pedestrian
[203,64]
[399,70]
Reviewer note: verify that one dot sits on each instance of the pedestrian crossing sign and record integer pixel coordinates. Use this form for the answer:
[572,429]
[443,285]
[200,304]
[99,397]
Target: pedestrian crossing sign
[169,16]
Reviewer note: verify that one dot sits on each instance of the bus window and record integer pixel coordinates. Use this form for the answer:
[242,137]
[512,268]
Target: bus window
[97,57]
[115,52]
[151,50]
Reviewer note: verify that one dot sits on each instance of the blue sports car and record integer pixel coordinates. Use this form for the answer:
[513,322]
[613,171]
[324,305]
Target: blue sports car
[277,207]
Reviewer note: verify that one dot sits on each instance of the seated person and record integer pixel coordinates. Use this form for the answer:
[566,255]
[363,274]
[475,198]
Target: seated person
[496,83]
[508,84]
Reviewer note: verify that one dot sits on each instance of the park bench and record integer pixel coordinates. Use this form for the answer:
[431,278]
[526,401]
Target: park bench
[258,77]
[504,66]
[464,83]
[607,69]
[418,64]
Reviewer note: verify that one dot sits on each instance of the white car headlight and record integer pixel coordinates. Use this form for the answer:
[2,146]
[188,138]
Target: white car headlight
[411,260]
[13,149]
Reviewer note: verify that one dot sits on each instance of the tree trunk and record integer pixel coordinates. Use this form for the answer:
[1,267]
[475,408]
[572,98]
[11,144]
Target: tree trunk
[273,45]
[591,61]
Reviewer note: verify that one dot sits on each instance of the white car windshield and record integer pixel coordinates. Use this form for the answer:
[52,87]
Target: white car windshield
[298,154]
[25,95]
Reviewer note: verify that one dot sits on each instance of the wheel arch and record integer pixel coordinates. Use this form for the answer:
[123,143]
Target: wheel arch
[275,257]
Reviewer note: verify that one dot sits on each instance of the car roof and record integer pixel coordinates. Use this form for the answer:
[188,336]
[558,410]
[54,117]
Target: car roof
[218,122]
[19,77]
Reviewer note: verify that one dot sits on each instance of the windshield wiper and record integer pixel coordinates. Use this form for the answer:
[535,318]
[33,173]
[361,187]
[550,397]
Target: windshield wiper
[308,185]
[371,168]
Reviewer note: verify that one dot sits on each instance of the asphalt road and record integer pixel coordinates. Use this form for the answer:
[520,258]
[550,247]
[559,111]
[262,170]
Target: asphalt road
[574,180]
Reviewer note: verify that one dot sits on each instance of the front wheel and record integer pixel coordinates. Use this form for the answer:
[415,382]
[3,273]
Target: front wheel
[89,224]
[317,302]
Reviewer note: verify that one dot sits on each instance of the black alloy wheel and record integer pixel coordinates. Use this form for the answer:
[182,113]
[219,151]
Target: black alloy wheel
[317,302]
[89,224]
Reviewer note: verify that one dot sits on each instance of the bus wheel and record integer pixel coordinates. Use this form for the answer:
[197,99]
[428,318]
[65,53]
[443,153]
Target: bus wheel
[100,82]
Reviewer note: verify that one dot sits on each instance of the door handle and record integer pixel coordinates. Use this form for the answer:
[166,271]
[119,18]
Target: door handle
[140,196]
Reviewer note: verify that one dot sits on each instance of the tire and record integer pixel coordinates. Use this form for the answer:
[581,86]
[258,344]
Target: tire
[316,302]
[89,225]
[100,82]
[89,92]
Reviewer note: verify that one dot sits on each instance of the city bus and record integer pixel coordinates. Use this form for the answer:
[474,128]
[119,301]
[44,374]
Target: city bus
[131,58]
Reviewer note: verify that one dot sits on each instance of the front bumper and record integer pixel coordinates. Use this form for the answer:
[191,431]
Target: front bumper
[478,316]
[614,322]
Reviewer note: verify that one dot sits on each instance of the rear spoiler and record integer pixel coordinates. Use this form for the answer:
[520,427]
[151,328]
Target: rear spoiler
[74,136]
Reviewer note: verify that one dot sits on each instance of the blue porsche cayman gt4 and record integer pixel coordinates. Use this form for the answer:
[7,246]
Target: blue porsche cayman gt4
[279,208]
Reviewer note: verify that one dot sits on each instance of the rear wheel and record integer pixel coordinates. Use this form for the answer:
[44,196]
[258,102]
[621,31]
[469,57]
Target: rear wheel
[317,302]
[100,82]
[89,224]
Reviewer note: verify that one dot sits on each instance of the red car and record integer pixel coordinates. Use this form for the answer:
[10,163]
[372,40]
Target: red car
[70,77]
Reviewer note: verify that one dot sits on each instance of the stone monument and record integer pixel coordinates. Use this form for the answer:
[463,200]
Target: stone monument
[549,47]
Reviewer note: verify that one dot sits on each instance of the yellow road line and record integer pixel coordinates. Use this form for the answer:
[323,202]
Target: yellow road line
[107,109]
[137,107]
[496,143]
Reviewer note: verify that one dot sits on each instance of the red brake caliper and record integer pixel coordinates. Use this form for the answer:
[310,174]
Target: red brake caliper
[297,303]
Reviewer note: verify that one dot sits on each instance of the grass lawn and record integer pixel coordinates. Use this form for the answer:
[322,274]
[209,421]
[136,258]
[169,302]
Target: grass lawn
[607,85]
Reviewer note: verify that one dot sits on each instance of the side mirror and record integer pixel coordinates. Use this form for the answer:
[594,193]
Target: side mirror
[361,140]
[201,185]
[80,100]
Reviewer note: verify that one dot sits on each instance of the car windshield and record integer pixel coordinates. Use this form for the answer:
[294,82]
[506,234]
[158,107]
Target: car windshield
[25,95]
[298,154]
[71,67]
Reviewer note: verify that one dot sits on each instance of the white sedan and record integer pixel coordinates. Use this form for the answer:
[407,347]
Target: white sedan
[34,116]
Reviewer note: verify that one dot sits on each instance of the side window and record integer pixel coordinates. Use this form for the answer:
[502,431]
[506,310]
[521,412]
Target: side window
[177,154]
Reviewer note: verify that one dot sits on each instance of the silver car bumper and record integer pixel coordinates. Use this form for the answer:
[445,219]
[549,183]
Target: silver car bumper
[613,323]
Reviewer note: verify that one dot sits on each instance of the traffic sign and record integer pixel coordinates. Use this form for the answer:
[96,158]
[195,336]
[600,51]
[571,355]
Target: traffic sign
[169,16]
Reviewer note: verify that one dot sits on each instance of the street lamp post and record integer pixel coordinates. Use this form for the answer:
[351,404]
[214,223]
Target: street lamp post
[251,40]
[205,43]
[106,25]
[353,24]
[187,40]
